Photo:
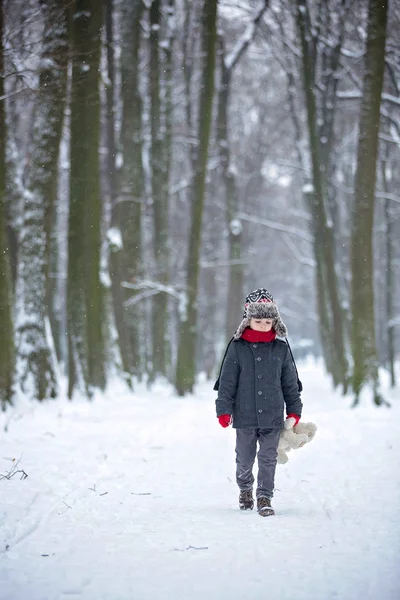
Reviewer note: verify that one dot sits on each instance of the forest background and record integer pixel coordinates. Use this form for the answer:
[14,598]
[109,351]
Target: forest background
[159,159]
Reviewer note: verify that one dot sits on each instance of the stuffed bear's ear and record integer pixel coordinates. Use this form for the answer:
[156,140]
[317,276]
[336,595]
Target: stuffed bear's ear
[309,428]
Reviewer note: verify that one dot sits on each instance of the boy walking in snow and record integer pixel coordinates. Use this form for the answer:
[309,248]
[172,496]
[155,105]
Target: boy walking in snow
[258,378]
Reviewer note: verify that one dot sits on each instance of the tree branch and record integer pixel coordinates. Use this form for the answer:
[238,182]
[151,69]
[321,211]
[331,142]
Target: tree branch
[14,471]
[248,36]
[277,226]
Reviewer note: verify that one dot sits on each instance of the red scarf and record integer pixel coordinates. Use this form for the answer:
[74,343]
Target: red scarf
[250,335]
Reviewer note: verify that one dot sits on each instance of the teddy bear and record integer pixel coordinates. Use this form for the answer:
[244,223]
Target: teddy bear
[294,437]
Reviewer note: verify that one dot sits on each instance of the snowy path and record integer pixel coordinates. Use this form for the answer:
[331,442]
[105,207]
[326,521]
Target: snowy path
[133,498]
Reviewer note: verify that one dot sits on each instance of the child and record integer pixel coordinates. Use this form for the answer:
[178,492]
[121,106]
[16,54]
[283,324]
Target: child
[258,378]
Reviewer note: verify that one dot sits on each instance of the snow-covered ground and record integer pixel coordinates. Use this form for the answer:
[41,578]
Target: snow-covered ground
[133,497]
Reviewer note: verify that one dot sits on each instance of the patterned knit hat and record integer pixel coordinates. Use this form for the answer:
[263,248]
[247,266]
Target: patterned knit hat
[260,305]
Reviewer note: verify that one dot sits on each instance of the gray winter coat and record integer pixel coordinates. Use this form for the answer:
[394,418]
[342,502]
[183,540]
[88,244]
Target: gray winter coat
[256,382]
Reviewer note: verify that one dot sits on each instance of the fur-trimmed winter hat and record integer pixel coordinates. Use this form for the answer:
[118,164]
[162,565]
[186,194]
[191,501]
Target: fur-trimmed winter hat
[260,305]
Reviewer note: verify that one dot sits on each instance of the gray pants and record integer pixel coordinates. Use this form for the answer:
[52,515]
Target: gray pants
[246,449]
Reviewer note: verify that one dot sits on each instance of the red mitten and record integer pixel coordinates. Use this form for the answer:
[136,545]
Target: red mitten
[295,417]
[225,420]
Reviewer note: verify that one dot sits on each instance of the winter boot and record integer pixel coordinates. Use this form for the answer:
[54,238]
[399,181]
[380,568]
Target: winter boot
[264,507]
[246,501]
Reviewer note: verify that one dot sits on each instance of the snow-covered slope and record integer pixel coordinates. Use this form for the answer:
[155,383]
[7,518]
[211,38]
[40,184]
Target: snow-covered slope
[133,497]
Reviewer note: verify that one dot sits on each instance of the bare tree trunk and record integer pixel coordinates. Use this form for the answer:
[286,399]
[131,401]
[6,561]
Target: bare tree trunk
[160,193]
[85,294]
[55,279]
[110,100]
[115,246]
[234,224]
[389,287]
[7,354]
[324,247]
[168,51]
[36,363]
[362,298]
[129,201]
[185,375]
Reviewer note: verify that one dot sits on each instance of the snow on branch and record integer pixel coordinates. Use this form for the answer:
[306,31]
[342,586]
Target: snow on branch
[387,196]
[394,130]
[388,138]
[225,263]
[14,93]
[394,322]
[233,58]
[114,237]
[357,95]
[158,288]
[152,288]
[349,95]
[309,262]
[392,99]
[350,54]
[139,297]
[277,226]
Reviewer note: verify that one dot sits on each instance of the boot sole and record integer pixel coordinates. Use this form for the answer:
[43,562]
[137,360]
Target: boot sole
[246,507]
[267,512]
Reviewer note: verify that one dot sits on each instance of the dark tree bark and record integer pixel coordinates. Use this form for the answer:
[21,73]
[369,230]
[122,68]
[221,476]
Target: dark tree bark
[234,225]
[110,99]
[7,353]
[330,311]
[127,212]
[365,370]
[115,247]
[168,54]
[160,186]
[389,283]
[36,363]
[185,375]
[385,320]
[85,294]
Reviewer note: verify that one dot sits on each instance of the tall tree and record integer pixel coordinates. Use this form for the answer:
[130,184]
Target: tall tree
[36,364]
[365,370]
[6,321]
[109,8]
[168,54]
[85,296]
[389,279]
[227,68]
[114,236]
[320,142]
[127,209]
[185,375]
[160,189]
